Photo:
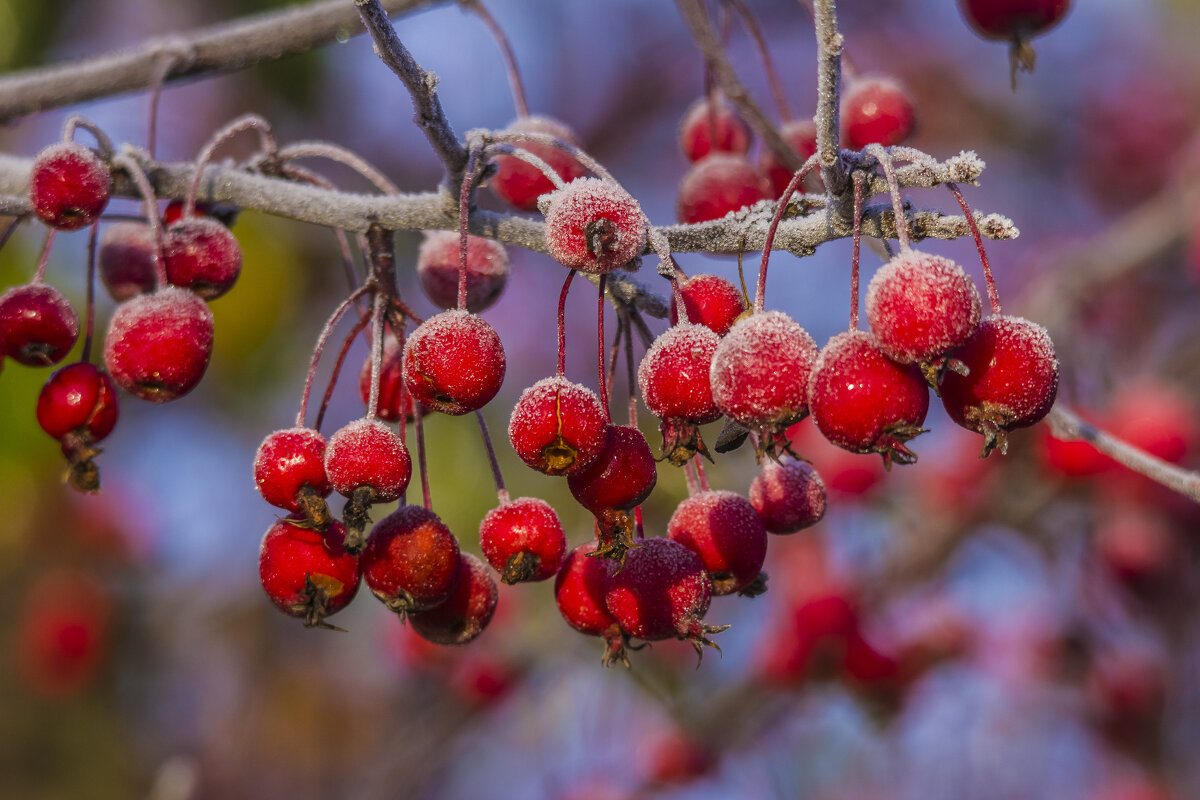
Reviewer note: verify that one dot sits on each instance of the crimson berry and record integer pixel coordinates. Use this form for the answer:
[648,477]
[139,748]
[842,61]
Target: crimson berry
[921,306]
[62,633]
[662,592]
[454,363]
[1015,21]
[395,402]
[289,473]
[367,462]
[864,402]
[710,301]
[174,211]
[307,573]
[1011,382]
[69,186]
[79,399]
[673,378]
[760,373]
[621,477]
[1156,417]
[519,182]
[788,495]
[558,427]
[876,111]
[438,267]
[1073,458]
[726,532]
[708,127]
[579,591]
[38,327]
[126,259]
[801,134]
[411,560]
[158,345]
[594,226]
[466,612]
[523,540]
[718,185]
[202,255]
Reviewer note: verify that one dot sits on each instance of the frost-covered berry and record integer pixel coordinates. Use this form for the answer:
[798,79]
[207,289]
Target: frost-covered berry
[78,398]
[395,402]
[558,427]
[709,300]
[621,477]
[519,182]
[713,127]
[717,185]
[523,540]
[454,363]
[788,495]
[367,462]
[594,226]
[158,345]
[801,134]
[38,327]
[438,268]
[466,612]
[579,591]
[876,110]
[289,473]
[307,573]
[411,560]
[674,381]
[201,254]
[727,533]
[69,186]
[126,259]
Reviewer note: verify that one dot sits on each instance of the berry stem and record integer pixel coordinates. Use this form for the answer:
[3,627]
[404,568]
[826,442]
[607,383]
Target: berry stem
[760,290]
[889,171]
[166,61]
[506,53]
[421,461]
[90,319]
[638,527]
[358,328]
[700,473]
[491,453]
[993,292]
[630,368]
[75,121]
[855,249]
[338,154]
[300,174]
[514,138]
[464,208]
[600,348]
[760,44]
[39,274]
[689,475]
[248,122]
[138,175]
[669,267]
[9,230]
[377,332]
[562,326]
[326,332]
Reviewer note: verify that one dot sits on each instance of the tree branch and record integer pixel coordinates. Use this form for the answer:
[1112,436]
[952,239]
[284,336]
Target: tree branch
[829,86]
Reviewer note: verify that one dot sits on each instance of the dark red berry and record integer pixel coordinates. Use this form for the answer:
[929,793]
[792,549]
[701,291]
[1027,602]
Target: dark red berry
[80,399]
[708,127]
[864,402]
[579,591]
[411,560]
[788,495]
[69,186]
[62,633]
[395,401]
[158,345]
[876,111]
[1011,380]
[621,477]
[519,182]
[438,268]
[307,573]
[454,362]
[710,301]
[725,531]
[466,612]
[174,211]
[38,327]
[289,472]
[801,134]
[594,226]
[126,259]
[366,452]
[674,381]
[523,540]
[202,255]
[1013,19]
[718,185]
[558,427]
[921,306]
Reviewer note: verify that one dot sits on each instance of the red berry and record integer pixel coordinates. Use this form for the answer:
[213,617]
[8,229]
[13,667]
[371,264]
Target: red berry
[69,186]
[718,185]
[519,182]
[306,573]
[621,477]
[710,301]
[801,134]
[788,495]
[1013,19]
[174,211]
[1073,459]
[726,532]
[558,427]
[454,363]
[863,401]
[523,540]
[367,453]
[921,306]
[673,378]
[1155,417]
[1011,382]
[411,560]
[579,592]
[594,226]
[202,255]
[760,372]
[289,465]
[126,259]
[38,327]
[78,398]
[62,633]
[876,111]
[395,401]
[158,345]
[437,267]
[466,612]
[707,127]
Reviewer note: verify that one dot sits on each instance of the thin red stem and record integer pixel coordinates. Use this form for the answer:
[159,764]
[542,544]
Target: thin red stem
[638,526]
[506,53]
[700,473]
[760,291]
[247,122]
[378,328]
[889,171]
[90,323]
[464,207]
[421,461]
[39,274]
[336,372]
[562,325]
[326,332]
[855,250]
[760,44]
[600,348]
[993,292]
[150,201]
[491,453]
[689,474]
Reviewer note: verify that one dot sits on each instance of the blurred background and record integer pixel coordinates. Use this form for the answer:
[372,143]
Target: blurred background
[1024,626]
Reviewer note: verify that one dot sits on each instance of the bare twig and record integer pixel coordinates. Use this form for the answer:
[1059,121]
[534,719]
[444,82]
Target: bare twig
[829,80]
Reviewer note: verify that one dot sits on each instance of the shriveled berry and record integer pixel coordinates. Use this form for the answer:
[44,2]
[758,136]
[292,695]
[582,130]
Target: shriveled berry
[876,111]
[366,452]
[788,495]
[801,134]
[202,255]
[158,345]
[717,185]
[864,402]
[1011,382]
[38,327]
[594,226]
[395,401]
[126,259]
[579,591]
[438,267]
[306,573]
[454,362]
[725,531]
[711,301]
[621,477]
[466,612]
[519,182]
[523,540]
[558,427]
[713,127]
[289,472]
[78,398]
[674,381]
[411,560]
[69,186]
[921,306]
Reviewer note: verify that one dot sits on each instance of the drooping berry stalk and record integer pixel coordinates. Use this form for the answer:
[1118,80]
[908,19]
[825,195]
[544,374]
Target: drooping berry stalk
[760,44]
[889,172]
[501,491]
[359,327]
[600,348]
[167,61]
[138,175]
[377,334]
[760,290]
[338,154]
[562,328]
[75,121]
[251,122]
[509,143]
[855,249]
[464,208]
[630,367]
[701,475]
[39,274]
[90,318]
[689,475]
[422,463]
[993,293]
[322,340]
[506,54]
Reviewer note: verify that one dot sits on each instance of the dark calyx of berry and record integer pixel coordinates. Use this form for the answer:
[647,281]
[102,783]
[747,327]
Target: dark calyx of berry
[520,567]
[893,444]
[681,441]
[614,536]
[697,636]
[82,473]
[993,421]
[356,518]
[601,236]
[314,606]
[755,588]
[315,510]
[559,456]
